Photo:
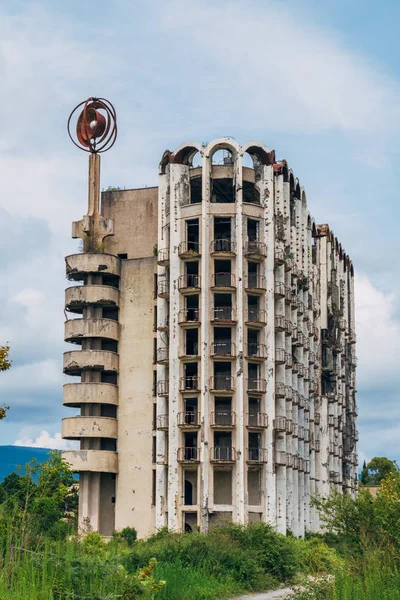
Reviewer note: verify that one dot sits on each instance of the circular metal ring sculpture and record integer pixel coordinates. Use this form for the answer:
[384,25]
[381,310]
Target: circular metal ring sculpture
[96,127]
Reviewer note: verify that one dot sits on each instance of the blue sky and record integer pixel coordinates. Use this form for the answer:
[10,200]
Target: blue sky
[317,81]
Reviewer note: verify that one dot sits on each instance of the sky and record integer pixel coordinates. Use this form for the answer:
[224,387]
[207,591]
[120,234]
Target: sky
[318,82]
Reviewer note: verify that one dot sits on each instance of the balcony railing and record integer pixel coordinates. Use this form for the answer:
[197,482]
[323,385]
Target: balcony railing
[189,315]
[222,383]
[300,370]
[189,281]
[280,356]
[255,249]
[311,358]
[163,257]
[280,458]
[256,385]
[279,257]
[300,307]
[189,419]
[306,374]
[300,432]
[257,455]
[288,327]
[162,422]
[317,445]
[163,387]
[280,390]
[188,249]
[227,349]
[257,420]
[189,454]
[223,314]
[163,355]
[279,290]
[223,246]
[255,282]
[223,454]
[223,418]
[288,294]
[288,360]
[280,323]
[289,392]
[163,288]
[256,316]
[280,424]
[302,401]
[289,426]
[295,398]
[223,280]
[256,350]
[189,384]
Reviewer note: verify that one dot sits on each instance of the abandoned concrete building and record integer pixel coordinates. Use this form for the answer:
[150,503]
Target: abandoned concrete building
[215,368]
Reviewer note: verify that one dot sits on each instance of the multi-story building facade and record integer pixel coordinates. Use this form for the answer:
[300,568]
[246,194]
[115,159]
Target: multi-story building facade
[217,360]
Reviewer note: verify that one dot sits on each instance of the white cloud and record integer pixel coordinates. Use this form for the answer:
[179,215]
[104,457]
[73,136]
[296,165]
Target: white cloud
[44,440]
[378,335]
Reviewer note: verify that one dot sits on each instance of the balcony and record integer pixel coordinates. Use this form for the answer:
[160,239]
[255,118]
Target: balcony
[257,420]
[279,290]
[294,300]
[288,295]
[289,426]
[75,330]
[255,385]
[300,370]
[295,270]
[189,284]
[164,326]
[288,327]
[342,324]
[77,361]
[255,351]
[352,337]
[224,315]
[306,374]
[306,436]
[94,461]
[257,455]
[289,392]
[302,401]
[279,258]
[280,356]
[290,460]
[162,422]
[280,424]
[189,384]
[76,394]
[163,288]
[223,282]
[255,284]
[280,323]
[76,428]
[189,420]
[80,265]
[79,297]
[295,432]
[280,458]
[288,360]
[222,383]
[223,349]
[163,355]
[295,397]
[188,317]
[317,445]
[300,433]
[295,366]
[223,454]
[295,334]
[163,257]
[188,250]
[289,262]
[306,342]
[223,419]
[311,358]
[317,418]
[189,455]
[280,390]
[222,248]
[256,317]
[255,250]
[163,387]
[316,333]
[300,307]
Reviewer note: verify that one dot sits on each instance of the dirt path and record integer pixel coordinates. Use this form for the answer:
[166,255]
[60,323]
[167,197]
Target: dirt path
[274,595]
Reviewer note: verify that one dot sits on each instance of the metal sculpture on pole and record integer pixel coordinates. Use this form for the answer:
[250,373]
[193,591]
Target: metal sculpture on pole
[95,132]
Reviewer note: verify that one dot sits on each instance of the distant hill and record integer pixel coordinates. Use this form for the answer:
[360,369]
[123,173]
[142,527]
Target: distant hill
[13,456]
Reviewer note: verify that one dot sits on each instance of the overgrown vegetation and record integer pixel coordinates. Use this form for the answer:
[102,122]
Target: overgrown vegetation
[5,364]
[43,558]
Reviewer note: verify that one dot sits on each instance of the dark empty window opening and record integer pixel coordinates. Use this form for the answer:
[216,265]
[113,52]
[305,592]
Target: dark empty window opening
[223,276]
[154,449]
[195,189]
[192,234]
[108,410]
[153,487]
[110,345]
[109,378]
[108,444]
[253,230]
[223,411]
[253,337]
[223,300]
[253,270]
[110,313]
[250,193]
[222,228]
[222,341]
[123,256]
[192,342]
[222,191]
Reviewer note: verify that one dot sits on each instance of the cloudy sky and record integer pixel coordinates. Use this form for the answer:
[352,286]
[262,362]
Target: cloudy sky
[317,81]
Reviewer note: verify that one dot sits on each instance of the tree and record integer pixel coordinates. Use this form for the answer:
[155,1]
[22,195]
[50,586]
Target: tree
[364,474]
[5,364]
[379,468]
